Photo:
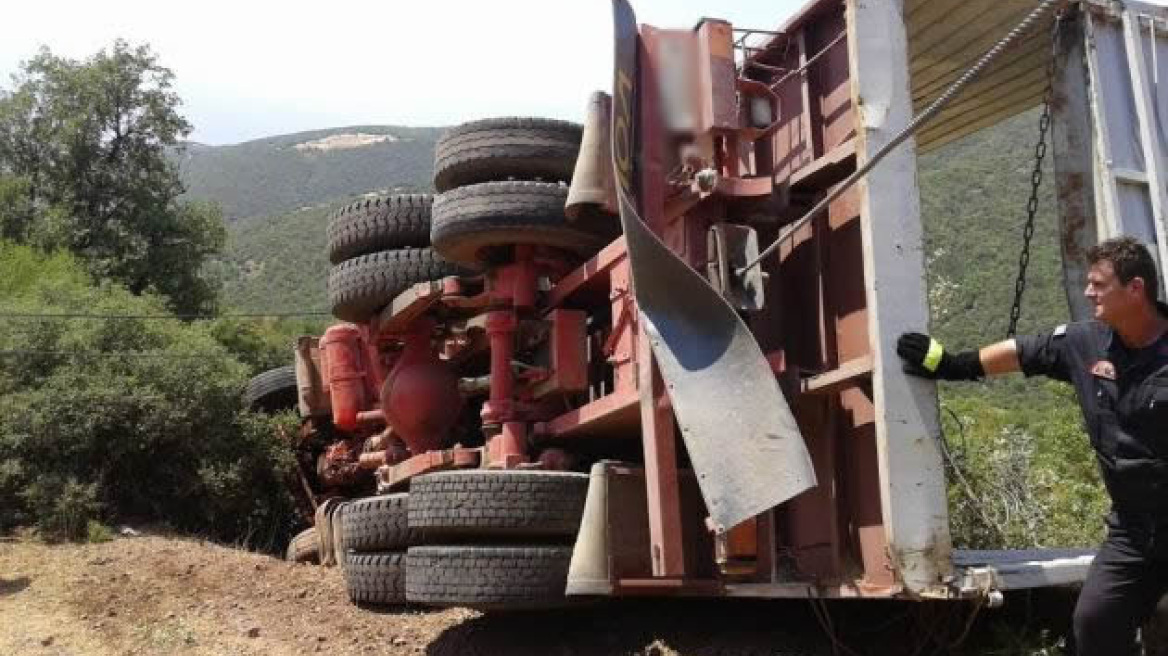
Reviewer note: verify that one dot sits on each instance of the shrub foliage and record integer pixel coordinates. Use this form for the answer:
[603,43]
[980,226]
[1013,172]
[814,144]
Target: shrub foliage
[86,434]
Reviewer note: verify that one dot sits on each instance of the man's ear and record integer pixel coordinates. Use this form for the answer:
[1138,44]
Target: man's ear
[1136,285]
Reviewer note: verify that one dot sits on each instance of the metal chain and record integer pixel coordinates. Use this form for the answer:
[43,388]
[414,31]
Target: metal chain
[1035,181]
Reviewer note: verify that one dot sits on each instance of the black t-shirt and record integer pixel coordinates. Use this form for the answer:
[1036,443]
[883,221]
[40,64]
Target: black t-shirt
[1123,393]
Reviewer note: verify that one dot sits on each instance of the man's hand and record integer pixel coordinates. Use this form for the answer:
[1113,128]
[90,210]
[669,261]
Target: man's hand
[925,357]
[922,354]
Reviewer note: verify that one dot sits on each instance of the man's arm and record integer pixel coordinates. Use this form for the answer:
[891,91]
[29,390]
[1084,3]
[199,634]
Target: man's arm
[1000,358]
[924,356]
[1032,354]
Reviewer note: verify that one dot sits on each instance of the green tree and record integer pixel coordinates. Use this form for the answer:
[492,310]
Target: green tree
[84,166]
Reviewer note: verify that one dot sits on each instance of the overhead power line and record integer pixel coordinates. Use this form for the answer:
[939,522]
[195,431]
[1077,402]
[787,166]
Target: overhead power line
[161,317]
[114,354]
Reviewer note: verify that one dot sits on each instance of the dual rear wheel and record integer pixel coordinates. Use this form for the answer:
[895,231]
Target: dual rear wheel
[374,539]
[486,539]
[492,540]
[380,247]
[502,183]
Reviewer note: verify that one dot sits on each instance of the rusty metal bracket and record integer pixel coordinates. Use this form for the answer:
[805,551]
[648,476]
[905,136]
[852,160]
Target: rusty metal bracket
[753,89]
[730,247]
[391,477]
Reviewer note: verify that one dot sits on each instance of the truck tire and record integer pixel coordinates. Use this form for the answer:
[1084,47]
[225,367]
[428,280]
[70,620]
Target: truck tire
[304,548]
[378,224]
[272,390]
[377,524]
[336,520]
[376,578]
[509,504]
[360,287]
[497,149]
[488,577]
[477,225]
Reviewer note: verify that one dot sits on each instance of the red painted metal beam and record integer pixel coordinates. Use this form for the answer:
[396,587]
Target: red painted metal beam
[659,442]
[658,438]
[595,268]
[611,415]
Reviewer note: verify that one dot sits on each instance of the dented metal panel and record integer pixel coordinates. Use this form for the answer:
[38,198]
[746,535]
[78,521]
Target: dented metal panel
[847,75]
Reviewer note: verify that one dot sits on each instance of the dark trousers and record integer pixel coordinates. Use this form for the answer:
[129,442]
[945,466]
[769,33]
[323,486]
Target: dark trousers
[1126,580]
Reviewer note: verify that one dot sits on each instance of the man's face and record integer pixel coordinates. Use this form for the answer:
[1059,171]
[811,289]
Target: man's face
[1113,300]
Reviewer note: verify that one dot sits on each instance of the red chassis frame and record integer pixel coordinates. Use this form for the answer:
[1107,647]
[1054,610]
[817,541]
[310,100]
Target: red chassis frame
[594,384]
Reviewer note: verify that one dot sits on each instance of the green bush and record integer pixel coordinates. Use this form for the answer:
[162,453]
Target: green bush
[1023,473]
[157,437]
[97,532]
[63,508]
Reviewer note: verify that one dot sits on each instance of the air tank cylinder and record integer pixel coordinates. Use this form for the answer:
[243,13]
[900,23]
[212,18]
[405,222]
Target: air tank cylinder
[344,376]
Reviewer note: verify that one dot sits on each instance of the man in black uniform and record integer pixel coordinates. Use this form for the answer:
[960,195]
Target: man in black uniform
[1118,364]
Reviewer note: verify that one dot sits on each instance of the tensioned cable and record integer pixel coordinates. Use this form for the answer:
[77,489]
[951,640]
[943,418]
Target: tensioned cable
[929,112]
[807,64]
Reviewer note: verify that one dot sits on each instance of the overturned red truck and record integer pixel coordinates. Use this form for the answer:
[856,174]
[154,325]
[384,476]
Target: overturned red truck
[569,374]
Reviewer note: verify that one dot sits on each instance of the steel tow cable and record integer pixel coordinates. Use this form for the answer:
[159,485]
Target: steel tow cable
[916,123]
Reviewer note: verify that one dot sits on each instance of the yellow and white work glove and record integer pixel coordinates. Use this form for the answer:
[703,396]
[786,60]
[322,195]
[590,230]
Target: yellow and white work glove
[925,357]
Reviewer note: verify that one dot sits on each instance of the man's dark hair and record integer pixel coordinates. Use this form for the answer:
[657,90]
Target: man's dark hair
[1129,258]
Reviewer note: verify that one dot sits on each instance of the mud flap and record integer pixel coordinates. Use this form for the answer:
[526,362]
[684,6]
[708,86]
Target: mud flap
[614,544]
[742,439]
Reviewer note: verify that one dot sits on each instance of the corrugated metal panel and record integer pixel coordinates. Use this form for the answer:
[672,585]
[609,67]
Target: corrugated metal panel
[946,37]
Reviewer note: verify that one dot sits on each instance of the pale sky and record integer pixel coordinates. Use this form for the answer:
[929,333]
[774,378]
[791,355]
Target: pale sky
[249,69]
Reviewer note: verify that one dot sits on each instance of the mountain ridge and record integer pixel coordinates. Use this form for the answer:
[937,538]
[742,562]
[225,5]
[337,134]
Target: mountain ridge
[270,175]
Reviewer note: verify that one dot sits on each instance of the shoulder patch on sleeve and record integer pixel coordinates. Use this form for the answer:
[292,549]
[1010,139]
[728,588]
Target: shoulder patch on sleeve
[1060,330]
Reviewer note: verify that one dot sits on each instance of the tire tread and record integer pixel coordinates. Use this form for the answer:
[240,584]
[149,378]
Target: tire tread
[375,524]
[501,504]
[376,224]
[376,578]
[304,547]
[358,288]
[488,578]
[503,148]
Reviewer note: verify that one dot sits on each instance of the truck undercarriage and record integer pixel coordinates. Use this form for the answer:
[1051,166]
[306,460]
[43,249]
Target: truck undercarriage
[560,377]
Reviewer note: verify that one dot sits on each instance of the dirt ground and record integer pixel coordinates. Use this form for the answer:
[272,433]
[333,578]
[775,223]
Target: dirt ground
[164,595]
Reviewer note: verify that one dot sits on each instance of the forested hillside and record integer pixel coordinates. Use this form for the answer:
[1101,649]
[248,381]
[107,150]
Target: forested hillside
[114,405]
[277,263]
[139,418]
[278,174]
